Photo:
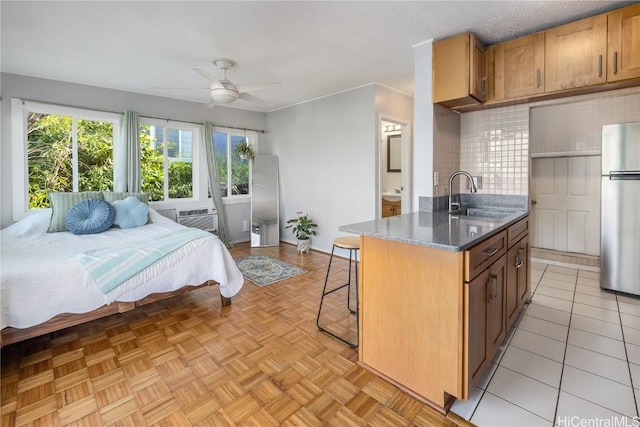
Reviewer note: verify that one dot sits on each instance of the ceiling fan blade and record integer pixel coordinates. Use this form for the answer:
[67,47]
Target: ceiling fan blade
[210,104]
[247,97]
[204,73]
[242,88]
[181,88]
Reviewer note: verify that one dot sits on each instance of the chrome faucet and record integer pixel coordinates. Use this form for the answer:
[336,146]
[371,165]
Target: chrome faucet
[472,184]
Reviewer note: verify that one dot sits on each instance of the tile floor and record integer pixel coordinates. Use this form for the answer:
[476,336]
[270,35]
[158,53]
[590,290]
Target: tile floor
[575,352]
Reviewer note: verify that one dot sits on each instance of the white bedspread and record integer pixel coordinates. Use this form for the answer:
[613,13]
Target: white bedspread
[40,279]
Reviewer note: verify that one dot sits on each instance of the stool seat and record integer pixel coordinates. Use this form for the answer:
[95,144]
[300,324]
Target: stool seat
[347,242]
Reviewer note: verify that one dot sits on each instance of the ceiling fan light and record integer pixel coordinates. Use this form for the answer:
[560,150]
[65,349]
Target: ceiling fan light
[224,96]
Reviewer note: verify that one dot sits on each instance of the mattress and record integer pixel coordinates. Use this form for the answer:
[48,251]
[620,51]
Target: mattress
[40,279]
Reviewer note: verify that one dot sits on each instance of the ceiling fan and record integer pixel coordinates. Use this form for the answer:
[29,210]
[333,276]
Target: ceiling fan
[223,91]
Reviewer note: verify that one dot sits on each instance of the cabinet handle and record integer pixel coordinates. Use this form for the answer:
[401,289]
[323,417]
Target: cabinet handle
[494,285]
[519,261]
[599,65]
[615,62]
[483,85]
[490,251]
[538,77]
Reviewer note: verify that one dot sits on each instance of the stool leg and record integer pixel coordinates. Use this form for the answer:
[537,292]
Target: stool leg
[324,289]
[324,293]
[357,311]
[351,252]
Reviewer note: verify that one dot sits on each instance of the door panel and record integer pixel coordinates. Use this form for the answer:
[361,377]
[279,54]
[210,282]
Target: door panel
[566,216]
[545,227]
[577,228]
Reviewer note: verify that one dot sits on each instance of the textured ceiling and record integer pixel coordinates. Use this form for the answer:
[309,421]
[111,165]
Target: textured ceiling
[314,48]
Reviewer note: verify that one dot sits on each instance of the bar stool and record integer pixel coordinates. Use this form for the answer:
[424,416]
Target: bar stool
[352,244]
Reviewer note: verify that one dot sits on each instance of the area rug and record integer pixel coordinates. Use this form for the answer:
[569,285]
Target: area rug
[264,270]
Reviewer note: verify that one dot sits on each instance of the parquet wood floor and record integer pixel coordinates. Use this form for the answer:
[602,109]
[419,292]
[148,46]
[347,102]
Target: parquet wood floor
[189,361]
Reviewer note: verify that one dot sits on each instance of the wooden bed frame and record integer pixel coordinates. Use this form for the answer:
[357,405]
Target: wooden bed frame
[11,335]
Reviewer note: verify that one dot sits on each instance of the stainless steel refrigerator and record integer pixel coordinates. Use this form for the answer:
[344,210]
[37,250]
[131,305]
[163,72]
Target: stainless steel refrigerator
[620,227]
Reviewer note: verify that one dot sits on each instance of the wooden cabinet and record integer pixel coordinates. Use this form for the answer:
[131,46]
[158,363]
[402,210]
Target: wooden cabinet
[518,277]
[459,71]
[587,56]
[485,318]
[482,255]
[391,208]
[623,44]
[518,67]
[431,320]
[575,54]
[518,284]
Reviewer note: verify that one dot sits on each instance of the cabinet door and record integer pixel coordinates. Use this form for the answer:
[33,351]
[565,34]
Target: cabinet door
[519,67]
[524,272]
[517,286]
[477,329]
[496,315]
[512,295]
[459,73]
[624,44]
[478,70]
[575,54]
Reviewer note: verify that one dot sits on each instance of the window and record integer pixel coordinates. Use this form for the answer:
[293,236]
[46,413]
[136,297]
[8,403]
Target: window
[62,149]
[166,159]
[236,177]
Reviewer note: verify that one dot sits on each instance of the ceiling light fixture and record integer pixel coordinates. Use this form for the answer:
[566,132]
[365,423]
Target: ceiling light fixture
[224,92]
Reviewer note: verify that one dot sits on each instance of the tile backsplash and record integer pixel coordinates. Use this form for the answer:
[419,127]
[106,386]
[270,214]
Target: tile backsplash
[494,144]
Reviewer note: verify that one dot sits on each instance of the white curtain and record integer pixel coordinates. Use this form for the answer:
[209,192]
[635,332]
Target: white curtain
[126,153]
[214,183]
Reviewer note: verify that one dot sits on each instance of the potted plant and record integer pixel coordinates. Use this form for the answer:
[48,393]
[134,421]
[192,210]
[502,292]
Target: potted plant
[303,228]
[244,150]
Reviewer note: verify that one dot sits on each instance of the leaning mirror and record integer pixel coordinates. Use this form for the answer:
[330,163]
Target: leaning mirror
[394,153]
[265,227]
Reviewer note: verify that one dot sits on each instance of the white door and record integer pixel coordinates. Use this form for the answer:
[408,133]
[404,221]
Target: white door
[565,197]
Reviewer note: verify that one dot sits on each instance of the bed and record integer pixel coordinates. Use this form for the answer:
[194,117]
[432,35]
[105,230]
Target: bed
[44,288]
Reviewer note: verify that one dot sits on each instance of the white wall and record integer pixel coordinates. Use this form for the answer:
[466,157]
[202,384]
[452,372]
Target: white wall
[576,126]
[57,92]
[328,169]
[423,123]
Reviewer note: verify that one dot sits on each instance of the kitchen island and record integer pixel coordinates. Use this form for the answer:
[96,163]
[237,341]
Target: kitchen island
[437,294]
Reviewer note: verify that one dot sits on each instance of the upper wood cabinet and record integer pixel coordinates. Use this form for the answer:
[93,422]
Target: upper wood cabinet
[624,44]
[575,54]
[459,71]
[518,67]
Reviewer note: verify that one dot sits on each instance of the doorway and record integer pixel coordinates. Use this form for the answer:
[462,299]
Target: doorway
[395,167]
[565,204]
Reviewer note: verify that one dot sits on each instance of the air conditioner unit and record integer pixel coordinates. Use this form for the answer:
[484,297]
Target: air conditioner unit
[204,219]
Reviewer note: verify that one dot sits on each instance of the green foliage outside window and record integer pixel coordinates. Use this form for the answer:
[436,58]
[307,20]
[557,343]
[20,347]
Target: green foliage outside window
[49,151]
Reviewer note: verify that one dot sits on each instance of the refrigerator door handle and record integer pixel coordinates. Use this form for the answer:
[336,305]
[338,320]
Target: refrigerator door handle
[620,175]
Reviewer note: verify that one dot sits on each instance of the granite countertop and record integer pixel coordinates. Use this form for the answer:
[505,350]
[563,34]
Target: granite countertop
[435,229]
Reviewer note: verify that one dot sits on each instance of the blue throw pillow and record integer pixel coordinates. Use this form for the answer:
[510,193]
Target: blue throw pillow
[90,216]
[130,213]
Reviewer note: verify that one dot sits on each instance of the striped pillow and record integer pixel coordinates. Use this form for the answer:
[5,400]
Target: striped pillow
[62,202]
